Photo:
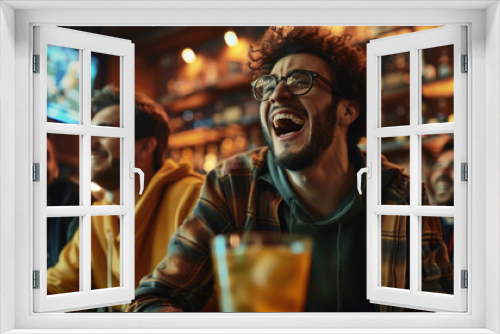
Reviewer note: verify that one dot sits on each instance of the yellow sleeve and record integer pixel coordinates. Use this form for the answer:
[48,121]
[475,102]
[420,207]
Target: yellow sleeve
[64,276]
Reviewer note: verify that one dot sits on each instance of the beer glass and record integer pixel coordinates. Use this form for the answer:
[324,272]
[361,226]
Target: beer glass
[261,271]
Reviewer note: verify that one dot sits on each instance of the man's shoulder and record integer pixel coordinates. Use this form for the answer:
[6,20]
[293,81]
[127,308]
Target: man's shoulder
[243,164]
[177,172]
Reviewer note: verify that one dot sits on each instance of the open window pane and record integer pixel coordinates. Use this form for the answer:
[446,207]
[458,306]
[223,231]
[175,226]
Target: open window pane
[105,73]
[437,84]
[397,151]
[67,284]
[63,170]
[395,92]
[62,255]
[437,272]
[437,152]
[63,84]
[398,246]
[105,239]
[438,163]
[105,169]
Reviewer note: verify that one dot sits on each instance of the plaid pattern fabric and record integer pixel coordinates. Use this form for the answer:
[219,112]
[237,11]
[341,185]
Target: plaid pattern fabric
[235,198]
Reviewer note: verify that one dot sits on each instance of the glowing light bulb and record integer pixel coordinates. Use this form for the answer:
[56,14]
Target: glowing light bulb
[231,38]
[188,55]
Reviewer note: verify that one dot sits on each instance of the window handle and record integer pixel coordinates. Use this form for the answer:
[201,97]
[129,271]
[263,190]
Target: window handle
[141,175]
[368,171]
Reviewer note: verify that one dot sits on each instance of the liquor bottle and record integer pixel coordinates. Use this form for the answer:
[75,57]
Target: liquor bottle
[444,68]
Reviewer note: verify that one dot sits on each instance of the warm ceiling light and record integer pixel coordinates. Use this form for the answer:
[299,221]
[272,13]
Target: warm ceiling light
[231,38]
[188,55]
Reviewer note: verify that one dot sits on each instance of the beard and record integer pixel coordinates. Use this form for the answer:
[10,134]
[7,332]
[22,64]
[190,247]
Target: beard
[322,131]
[108,178]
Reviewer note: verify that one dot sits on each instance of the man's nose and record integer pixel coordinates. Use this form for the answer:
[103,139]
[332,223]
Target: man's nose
[280,93]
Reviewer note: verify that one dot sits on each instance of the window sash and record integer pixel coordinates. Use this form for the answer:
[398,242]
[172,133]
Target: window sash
[86,297]
[413,43]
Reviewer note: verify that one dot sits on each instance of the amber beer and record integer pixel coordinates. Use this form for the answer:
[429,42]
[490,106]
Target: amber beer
[262,272]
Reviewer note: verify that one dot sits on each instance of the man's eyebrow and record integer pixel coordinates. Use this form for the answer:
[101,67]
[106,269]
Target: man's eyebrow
[288,73]
[293,71]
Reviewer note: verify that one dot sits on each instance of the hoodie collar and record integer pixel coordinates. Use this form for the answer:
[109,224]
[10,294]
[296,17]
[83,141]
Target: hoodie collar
[351,206]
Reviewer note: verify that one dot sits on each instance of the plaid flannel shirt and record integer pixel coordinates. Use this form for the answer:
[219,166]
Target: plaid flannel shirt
[235,198]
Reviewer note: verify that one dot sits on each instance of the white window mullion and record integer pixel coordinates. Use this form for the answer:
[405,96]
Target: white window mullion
[67,129]
[127,268]
[434,211]
[107,131]
[108,210]
[425,129]
[415,177]
[373,157]
[85,256]
[95,210]
[433,129]
[419,210]
[394,131]
[85,232]
[392,210]
[66,211]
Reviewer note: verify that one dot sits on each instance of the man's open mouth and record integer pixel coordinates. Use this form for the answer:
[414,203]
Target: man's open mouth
[287,123]
[99,153]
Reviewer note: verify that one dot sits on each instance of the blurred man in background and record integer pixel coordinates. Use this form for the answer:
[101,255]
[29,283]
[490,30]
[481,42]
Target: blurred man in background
[60,192]
[441,187]
[171,191]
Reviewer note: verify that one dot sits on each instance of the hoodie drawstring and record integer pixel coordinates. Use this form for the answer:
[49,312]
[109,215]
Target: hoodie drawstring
[339,267]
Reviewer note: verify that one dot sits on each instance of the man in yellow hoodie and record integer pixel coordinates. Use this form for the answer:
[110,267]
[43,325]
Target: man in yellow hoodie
[171,191]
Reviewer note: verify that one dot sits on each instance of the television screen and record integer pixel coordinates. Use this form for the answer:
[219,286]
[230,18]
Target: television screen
[63,84]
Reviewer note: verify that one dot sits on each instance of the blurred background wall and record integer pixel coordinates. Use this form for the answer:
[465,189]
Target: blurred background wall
[200,76]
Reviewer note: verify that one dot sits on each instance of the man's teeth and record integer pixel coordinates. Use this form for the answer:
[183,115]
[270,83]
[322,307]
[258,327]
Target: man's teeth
[292,117]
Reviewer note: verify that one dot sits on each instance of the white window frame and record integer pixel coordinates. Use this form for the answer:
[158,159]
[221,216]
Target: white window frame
[483,20]
[414,44]
[85,43]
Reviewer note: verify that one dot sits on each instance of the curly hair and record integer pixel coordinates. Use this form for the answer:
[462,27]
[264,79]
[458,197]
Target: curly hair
[151,120]
[347,63]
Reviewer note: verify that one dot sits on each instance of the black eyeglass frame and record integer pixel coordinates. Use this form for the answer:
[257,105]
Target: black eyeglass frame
[313,75]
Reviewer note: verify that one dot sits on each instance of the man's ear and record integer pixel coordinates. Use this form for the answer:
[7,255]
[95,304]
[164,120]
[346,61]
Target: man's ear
[144,148]
[348,112]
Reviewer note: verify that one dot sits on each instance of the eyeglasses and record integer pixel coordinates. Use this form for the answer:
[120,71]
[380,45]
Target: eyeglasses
[298,82]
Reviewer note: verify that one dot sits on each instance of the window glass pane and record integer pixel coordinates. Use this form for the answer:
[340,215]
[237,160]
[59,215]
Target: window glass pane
[395,245]
[63,85]
[397,151]
[60,231]
[437,244]
[438,168]
[437,84]
[63,170]
[105,80]
[105,170]
[105,241]
[395,95]
[62,254]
